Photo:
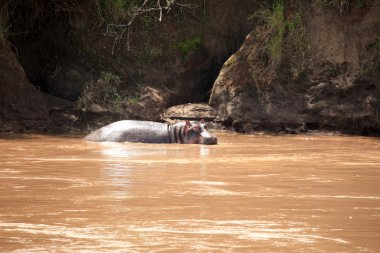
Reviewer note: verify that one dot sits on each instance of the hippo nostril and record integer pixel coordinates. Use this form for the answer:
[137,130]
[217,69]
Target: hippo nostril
[210,140]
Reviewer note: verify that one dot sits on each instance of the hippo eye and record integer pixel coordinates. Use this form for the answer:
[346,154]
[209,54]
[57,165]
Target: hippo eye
[196,128]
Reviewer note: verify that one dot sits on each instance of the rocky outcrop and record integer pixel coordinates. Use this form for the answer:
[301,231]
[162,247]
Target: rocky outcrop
[329,93]
[23,107]
[190,111]
[21,104]
[348,108]
[148,106]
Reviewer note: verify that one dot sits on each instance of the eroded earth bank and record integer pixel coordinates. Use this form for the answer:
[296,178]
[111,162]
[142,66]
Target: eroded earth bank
[287,66]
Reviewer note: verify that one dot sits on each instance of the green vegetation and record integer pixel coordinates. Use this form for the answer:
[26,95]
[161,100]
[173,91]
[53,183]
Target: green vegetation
[110,83]
[278,51]
[146,22]
[277,22]
[148,55]
[104,93]
[189,44]
[126,19]
[371,63]
[115,11]
[124,12]
[276,27]
[133,100]
[230,61]
[22,16]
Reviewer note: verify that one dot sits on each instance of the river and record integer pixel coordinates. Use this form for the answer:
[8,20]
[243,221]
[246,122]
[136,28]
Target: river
[249,193]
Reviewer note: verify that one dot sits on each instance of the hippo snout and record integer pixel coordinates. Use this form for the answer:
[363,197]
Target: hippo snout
[210,140]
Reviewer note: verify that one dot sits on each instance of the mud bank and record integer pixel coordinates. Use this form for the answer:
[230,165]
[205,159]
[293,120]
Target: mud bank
[76,66]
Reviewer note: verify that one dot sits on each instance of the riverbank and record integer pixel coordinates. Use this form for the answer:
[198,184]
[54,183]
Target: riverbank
[285,67]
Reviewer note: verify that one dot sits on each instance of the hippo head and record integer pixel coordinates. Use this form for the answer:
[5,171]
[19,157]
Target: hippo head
[197,133]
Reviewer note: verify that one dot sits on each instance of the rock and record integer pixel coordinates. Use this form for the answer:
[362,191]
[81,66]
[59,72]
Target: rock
[191,112]
[19,99]
[148,106]
[249,95]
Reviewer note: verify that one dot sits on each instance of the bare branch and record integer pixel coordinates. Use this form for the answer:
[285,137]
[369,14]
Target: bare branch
[159,6]
[142,9]
[137,12]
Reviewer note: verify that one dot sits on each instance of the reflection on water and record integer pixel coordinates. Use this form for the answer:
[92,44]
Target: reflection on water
[248,193]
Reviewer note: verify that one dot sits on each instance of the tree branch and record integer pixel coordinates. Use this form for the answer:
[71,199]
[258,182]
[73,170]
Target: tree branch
[143,9]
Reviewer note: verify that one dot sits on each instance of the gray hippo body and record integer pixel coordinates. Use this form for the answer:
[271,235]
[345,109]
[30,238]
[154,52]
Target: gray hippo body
[153,132]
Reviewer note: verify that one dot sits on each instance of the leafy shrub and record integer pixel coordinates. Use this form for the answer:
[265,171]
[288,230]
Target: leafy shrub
[148,55]
[115,11]
[276,27]
[371,63]
[104,93]
[189,44]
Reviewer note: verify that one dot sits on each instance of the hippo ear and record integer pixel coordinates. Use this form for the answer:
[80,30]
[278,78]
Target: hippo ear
[203,121]
[187,125]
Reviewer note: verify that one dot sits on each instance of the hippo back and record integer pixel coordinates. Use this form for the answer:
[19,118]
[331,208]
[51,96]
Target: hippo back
[132,131]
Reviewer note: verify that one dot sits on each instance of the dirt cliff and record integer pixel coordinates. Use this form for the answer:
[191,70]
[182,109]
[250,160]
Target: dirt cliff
[325,77]
[19,100]
[73,65]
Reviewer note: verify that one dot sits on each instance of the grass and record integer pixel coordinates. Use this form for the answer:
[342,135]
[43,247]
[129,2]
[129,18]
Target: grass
[122,12]
[110,83]
[146,22]
[276,28]
[104,92]
[231,61]
[115,11]
[23,15]
[371,64]
[277,22]
[148,55]
[189,44]
[279,44]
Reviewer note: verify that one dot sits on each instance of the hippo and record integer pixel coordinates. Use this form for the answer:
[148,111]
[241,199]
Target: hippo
[154,132]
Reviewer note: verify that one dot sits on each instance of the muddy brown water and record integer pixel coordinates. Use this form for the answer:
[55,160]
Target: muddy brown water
[246,194]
